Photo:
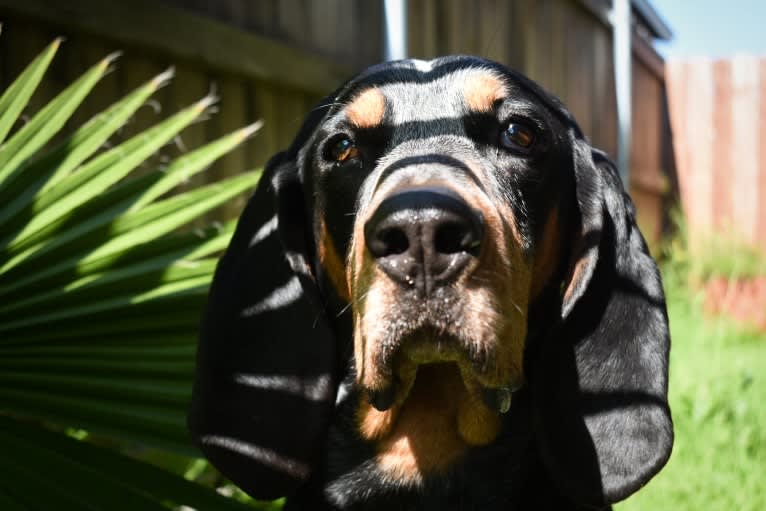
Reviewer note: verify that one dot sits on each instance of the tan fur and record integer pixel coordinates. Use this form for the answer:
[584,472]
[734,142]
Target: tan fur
[476,424]
[425,438]
[374,424]
[367,109]
[501,297]
[482,90]
[576,267]
[547,255]
[574,278]
[332,263]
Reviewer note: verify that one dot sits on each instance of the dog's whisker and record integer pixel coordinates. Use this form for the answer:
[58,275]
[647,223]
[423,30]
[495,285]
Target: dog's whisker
[344,309]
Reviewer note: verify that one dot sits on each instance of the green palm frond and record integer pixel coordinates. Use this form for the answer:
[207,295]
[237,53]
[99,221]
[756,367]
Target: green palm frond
[100,297]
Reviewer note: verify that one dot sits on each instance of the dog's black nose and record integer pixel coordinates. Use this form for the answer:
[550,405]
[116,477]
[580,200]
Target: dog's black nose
[424,237]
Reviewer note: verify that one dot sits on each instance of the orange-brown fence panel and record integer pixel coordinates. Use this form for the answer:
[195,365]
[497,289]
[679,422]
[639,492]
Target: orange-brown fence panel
[718,118]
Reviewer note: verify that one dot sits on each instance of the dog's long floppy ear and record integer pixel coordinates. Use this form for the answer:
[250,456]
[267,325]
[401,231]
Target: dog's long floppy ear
[600,389]
[265,383]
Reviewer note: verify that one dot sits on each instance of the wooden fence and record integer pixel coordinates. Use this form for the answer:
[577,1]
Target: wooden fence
[718,114]
[566,46]
[272,59]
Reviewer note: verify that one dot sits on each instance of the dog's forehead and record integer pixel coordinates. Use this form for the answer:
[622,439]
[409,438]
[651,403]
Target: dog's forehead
[446,96]
[418,90]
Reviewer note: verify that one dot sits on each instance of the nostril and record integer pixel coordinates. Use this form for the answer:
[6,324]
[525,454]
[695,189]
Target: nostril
[388,242]
[454,237]
[395,240]
[448,238]
[424,237]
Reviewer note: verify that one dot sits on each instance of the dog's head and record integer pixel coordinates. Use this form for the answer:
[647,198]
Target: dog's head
[445,225]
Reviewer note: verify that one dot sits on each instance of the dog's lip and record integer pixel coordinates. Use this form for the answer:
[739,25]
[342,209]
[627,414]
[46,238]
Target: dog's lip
[416,354]
[383,399]
[497,399]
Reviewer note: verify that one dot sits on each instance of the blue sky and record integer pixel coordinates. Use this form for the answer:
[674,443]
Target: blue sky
[713,28]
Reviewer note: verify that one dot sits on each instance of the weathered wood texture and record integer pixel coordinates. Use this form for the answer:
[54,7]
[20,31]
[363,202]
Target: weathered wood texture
[718,114]
[272,59]
[266,60]
[567,47]
[652,168]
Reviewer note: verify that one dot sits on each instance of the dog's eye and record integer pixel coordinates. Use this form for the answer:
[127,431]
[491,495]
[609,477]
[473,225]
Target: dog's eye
[517,137]
[341,150]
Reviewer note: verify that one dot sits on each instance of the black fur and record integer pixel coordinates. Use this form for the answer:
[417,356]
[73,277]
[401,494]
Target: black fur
[274,398]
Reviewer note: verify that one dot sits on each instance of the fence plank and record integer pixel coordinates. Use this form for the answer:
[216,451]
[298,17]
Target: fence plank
[723,126]
[231,116]
[744,170]
[564,44]
[177,33]
[761,148]
[265,107]
[719,127]
[494,16]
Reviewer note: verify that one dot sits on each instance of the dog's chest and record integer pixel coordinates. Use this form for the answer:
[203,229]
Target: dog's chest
[505,475]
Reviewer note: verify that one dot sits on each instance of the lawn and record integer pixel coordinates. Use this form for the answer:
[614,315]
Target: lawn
[718,400]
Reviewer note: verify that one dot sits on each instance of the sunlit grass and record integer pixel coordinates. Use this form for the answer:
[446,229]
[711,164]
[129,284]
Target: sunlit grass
[718,400]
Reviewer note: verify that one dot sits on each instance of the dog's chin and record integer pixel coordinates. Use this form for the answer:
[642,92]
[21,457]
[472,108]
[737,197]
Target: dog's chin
[427,358]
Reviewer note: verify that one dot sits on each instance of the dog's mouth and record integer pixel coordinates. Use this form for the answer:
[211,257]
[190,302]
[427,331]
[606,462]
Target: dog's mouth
[433,346]
[426,355]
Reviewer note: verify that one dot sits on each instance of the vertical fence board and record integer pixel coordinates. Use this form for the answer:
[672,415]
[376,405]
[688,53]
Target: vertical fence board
[532,59]
[265,105]
[691,117]
[189,86]
[560,43]
[723,125]
[719,129]
[492,29]
[542,40]
[558,36]
[232,114]
[744,111]
[762,154]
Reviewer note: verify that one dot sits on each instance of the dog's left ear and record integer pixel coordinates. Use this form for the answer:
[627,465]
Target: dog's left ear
[600,378]
[265,380]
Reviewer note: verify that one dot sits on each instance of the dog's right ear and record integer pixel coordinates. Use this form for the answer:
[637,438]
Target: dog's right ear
[264,386]
[601,377]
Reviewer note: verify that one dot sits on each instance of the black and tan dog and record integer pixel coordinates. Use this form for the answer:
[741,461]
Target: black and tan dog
[437,298]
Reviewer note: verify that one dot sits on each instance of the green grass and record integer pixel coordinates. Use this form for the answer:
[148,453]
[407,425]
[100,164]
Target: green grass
[718,400]
[724,253]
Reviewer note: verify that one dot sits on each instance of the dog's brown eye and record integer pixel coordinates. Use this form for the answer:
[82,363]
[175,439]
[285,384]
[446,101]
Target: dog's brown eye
[342,150]
[517,137]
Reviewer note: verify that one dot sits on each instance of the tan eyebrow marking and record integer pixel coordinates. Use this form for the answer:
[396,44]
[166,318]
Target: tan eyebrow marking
[482,90]
[367,109]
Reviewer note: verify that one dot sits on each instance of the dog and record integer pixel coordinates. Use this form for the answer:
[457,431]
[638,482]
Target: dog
[437,298]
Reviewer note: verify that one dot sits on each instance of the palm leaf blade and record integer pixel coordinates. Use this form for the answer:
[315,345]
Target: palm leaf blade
[90,466]
[16,97]
[52,208]
[39,175]
[47,122]
[100,299]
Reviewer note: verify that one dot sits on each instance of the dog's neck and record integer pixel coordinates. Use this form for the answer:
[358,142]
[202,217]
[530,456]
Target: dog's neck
[431,429]
[505,474]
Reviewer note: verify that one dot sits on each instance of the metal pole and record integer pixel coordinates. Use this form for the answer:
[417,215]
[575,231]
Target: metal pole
[395,30]
[620,18]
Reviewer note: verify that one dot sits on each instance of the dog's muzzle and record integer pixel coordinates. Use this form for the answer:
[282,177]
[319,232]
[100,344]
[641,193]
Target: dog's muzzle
[426,239]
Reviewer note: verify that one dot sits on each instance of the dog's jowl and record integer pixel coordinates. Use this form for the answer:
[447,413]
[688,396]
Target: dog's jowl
[437,298]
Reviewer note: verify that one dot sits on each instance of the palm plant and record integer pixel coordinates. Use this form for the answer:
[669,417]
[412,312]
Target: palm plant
[100,298]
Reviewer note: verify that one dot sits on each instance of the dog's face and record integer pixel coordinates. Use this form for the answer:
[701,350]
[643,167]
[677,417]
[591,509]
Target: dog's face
[437,194]
[443,231]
